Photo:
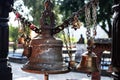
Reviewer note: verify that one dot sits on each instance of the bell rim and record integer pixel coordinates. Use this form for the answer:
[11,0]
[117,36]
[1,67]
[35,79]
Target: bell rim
[49,72]
[88,70]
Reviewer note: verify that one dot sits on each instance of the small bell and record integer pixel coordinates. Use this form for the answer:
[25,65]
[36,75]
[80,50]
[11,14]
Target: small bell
[88,63]
[27,48]
[21,40]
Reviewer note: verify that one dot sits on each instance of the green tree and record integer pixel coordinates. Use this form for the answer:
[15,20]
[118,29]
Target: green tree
[69,6]
[104,12]
[105,16]
[13,36]
[38,7]
[13,33]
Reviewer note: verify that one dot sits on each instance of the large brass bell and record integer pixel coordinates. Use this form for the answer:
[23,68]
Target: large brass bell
[45,55]
[88,62]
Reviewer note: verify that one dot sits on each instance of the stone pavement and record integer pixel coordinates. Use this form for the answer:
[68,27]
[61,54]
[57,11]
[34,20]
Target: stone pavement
[18,74]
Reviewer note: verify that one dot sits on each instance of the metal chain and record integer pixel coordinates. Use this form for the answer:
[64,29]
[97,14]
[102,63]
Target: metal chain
[88,21]
[94,16]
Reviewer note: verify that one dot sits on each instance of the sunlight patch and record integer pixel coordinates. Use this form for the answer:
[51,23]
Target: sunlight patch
[27,78]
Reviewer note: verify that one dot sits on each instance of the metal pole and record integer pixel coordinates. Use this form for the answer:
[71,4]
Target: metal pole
[5,69]
[46,76]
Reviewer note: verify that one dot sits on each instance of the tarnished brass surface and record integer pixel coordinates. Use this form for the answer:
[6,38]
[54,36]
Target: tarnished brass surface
[46,56]
[88,63]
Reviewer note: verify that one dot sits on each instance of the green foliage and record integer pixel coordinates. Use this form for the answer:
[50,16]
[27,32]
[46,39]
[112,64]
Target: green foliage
[104,12]
[38,7]
[105,15]
[69,6]
[13,33]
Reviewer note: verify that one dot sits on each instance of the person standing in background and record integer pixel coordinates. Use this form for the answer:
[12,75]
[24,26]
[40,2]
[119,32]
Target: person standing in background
[81,40]
[80,48]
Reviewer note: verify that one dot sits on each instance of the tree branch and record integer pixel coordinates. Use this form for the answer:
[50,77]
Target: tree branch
[104,28]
